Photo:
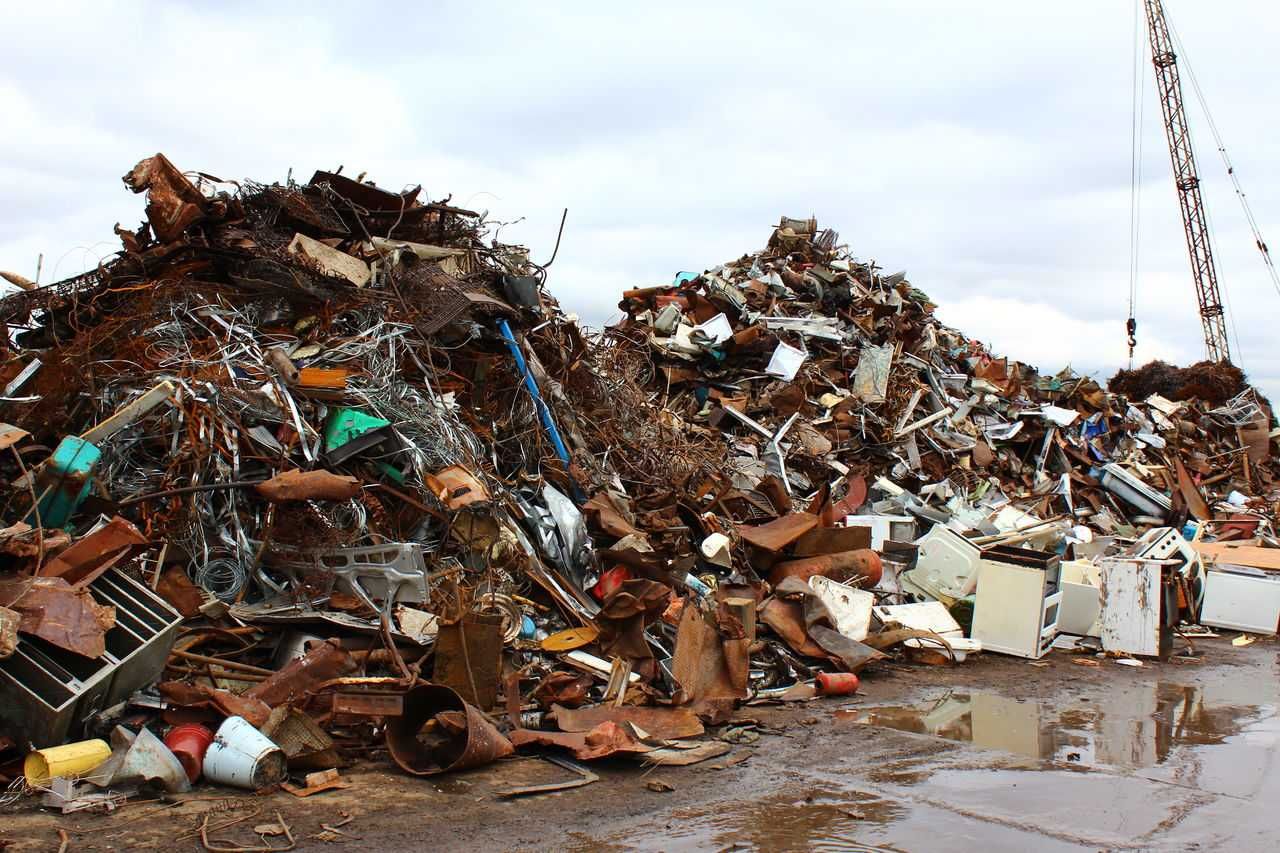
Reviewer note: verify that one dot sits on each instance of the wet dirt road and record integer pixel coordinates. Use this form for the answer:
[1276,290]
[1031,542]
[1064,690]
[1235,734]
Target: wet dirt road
[997,754]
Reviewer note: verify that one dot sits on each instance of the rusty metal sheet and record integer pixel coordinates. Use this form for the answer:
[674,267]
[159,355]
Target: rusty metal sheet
[662,723]
[1195,501]
[59,614]
[832,540]
[370,197]
[478,664]
[607,738]
[316,783]
[607,509]
[324,662]
[230,704]
[819,626]
[212,699]
[626,613]
[1255,437]
[780,532]
[563,689]
[702,669]
[368,704]
[82,563]
[855,496]
[176,588]
[173,202]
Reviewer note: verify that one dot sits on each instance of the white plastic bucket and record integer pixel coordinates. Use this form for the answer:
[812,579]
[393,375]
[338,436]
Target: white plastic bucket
[243,757]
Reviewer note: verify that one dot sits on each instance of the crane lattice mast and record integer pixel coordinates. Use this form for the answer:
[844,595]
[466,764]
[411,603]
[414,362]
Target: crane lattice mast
[1188,183]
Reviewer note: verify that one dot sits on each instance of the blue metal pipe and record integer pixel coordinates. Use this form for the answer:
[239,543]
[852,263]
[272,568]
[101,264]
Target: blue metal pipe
[543,409]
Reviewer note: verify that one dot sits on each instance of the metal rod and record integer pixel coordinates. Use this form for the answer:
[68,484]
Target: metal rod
[529,382]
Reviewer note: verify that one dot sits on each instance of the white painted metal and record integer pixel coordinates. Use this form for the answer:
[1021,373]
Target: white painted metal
[896,528]
[1241,600]
[1081,599]
[925,616]
[1016,613]
[849,607]
[947,563]
[1131,605]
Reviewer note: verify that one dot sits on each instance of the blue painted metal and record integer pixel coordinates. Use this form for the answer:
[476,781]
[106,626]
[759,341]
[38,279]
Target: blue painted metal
[65,482]
[543,409]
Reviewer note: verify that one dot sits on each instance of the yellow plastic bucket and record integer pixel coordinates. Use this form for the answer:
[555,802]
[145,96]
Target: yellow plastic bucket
[72,760]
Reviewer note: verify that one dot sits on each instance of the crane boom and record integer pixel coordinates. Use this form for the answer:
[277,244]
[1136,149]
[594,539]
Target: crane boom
[1188,183]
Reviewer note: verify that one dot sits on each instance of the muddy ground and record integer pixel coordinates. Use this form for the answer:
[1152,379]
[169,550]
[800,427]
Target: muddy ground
[996,754]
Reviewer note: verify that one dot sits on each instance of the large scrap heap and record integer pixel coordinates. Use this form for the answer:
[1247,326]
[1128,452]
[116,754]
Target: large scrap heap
[856,378]
[325,458]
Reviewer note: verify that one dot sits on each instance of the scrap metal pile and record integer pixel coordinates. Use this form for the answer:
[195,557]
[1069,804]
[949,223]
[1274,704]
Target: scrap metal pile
[325,469]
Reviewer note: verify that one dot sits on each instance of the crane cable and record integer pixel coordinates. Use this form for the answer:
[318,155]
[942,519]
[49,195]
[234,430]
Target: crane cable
[1258,241]
[1135,178]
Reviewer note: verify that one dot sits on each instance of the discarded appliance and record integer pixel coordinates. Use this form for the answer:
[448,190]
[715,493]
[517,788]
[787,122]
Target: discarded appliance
[1139,606]
[1241,599]
[1133,491]
[47,692]
[1081,599]
[946,565]
[1018,597]
[898,528]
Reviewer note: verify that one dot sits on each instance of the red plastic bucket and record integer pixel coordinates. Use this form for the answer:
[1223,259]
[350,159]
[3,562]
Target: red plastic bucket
[837,683]
[189,742]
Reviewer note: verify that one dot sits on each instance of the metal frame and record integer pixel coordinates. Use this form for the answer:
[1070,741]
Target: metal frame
[1187,181]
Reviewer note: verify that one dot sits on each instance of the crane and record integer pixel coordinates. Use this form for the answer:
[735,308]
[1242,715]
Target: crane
[1185,177]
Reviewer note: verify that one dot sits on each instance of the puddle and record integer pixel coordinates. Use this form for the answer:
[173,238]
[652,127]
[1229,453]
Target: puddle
[1139,726]
[1128,765]
[823,820]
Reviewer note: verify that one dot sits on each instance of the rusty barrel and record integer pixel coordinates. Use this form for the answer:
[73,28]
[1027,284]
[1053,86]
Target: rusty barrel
[462,737]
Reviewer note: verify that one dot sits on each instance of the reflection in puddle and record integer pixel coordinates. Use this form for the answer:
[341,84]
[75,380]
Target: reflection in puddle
[821,821]
[1138,727]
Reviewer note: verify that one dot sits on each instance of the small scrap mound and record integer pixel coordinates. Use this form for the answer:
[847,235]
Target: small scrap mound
[1210,381]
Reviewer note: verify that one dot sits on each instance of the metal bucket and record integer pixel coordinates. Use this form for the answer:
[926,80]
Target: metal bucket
[243,757]
[462,739]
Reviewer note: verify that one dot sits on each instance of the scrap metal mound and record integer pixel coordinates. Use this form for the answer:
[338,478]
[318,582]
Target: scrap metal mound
[318,456]
[1213,382]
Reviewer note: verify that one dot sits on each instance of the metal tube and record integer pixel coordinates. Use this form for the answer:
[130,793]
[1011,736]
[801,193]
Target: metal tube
[543,409]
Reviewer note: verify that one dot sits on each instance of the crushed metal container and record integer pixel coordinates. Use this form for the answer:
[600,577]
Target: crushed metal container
[46,693]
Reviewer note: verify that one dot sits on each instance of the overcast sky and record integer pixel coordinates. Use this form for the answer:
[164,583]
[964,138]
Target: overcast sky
[982,146]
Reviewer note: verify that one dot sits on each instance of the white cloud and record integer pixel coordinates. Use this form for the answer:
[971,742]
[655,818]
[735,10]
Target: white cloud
[983,146]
